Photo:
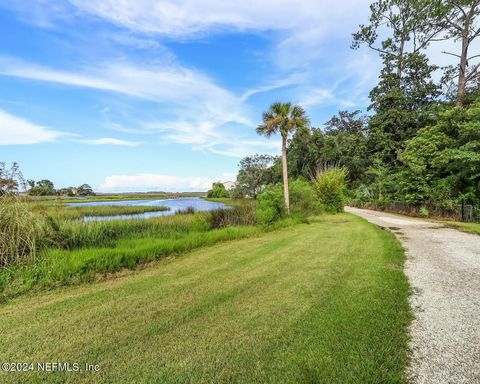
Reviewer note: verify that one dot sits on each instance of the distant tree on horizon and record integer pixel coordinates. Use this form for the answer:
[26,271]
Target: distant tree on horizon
[11,179]
[85,190]
[218,191]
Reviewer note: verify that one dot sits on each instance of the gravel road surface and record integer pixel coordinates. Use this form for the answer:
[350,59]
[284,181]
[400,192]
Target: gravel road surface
[443,267]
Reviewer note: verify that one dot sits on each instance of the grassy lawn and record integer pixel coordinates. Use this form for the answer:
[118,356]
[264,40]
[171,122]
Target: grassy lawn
[324,302]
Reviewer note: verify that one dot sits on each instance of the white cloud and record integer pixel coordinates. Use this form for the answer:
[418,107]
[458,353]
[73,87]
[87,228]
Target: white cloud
[111,141]
[295,79]
[316,96]
[300,28]
[301,53]
[16,130]
[174,84]
[198,105]
[154,182]
[187,18]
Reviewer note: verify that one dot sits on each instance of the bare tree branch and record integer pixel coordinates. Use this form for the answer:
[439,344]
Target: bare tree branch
[452,54]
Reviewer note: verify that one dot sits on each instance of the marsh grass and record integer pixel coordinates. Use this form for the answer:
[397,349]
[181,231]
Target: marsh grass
[186,211]
[237,215]
[21,231]
[62,212]
[77,234]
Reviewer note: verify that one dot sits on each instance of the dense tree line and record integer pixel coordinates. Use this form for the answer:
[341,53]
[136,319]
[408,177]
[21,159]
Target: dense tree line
[419,141]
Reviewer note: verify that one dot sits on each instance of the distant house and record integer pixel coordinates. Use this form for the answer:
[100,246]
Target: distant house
[229,185]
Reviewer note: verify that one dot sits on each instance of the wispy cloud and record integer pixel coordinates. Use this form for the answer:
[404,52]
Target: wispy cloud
[186,18]
[196,107]
[111,141]
[16,130]
[154,182]
[295,79]
[301,30]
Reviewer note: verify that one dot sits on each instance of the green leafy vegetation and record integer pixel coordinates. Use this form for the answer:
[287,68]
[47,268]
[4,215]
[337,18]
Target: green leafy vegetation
[254,172]
[420,142]
[218,191]
[59,267]
[329,185]
[323,302]
[304,202]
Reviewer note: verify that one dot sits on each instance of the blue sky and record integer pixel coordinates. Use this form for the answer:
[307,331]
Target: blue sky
[166,94]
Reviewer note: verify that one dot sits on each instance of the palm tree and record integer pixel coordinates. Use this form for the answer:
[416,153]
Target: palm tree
[284,118]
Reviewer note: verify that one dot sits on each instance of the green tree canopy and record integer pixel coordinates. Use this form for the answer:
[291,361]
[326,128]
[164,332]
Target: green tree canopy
[255,172]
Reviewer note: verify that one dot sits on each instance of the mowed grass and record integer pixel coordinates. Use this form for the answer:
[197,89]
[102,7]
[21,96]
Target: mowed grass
[325,302]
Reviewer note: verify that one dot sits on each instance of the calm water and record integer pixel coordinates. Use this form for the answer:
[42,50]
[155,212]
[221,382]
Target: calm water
[175,205]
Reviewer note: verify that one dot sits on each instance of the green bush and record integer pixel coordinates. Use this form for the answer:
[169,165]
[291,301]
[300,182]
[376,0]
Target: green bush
[424,212]
[330,188]
[303,201]
[41,191]
[270,204]
[218,190]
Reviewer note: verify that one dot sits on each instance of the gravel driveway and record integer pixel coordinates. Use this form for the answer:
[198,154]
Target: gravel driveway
[443,267]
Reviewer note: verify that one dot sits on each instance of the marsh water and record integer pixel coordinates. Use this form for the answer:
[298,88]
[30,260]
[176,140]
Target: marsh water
[174,206]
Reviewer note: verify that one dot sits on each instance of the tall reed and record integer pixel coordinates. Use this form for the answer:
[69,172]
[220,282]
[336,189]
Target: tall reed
[235,216]
[21,231]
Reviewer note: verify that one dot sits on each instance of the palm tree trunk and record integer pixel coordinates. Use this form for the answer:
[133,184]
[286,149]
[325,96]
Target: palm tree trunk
[285,174]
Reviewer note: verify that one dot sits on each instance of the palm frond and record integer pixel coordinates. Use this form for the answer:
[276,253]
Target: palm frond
[283,118]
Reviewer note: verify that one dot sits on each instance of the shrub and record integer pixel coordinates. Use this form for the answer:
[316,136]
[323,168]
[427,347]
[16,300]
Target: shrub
[303,199]
[41,191]
[21,231]
[238,192]
[270,205]
[363,194]
[329,185]
[218,190]
[424,212]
